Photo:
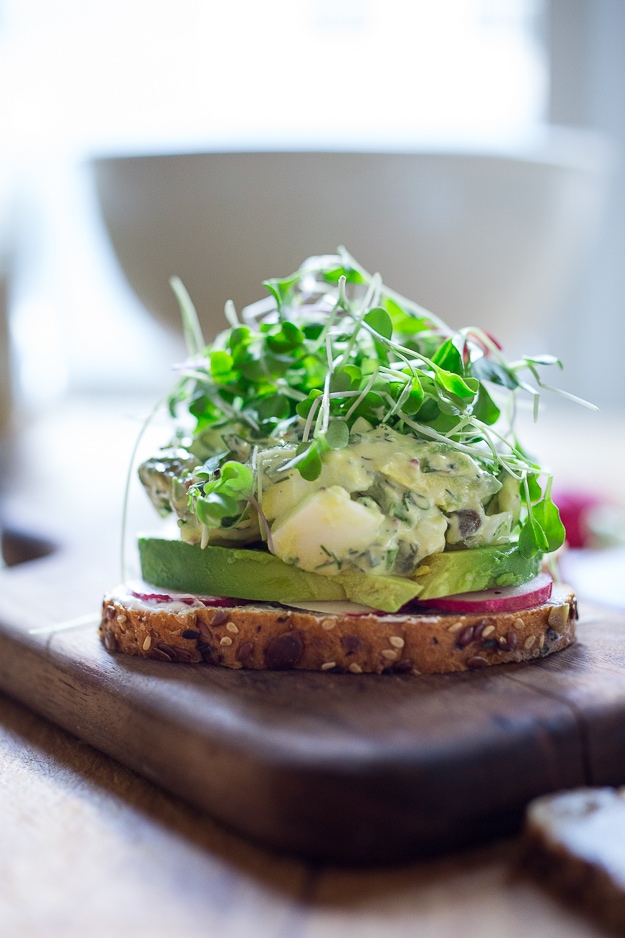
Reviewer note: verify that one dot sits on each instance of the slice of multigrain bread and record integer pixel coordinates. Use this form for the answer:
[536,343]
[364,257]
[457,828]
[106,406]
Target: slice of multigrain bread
[575,845]
[275,637]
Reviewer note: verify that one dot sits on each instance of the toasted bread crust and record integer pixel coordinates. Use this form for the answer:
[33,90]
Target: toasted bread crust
[264,636]
[574,845]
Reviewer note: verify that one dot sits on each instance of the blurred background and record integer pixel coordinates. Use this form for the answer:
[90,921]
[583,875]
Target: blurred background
[508,203]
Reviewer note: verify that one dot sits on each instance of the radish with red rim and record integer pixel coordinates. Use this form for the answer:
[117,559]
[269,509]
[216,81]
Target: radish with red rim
[501,599]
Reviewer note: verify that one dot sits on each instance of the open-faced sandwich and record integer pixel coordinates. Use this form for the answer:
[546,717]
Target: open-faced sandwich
[349,491]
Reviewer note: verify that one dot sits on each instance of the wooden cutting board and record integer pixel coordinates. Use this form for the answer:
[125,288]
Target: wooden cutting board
[341,768]
[344,768]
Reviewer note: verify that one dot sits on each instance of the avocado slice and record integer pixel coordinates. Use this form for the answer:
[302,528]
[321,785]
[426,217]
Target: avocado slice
[256,574]
[467,571]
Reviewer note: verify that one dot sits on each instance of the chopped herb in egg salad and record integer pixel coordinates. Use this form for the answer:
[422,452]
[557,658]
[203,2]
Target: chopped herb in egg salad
[341,427]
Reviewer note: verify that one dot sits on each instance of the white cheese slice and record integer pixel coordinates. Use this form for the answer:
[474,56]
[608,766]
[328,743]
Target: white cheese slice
[338,607]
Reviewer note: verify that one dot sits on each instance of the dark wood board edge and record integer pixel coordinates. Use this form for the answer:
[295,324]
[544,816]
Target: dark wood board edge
[591,681]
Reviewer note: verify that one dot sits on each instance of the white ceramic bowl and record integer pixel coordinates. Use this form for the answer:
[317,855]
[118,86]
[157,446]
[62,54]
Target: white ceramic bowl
[480,238]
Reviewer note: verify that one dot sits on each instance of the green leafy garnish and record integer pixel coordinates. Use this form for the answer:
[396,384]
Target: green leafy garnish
[222,495]
[331,350]
[546,514]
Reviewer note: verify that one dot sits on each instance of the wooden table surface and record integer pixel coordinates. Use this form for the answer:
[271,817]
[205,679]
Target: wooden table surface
[88,848]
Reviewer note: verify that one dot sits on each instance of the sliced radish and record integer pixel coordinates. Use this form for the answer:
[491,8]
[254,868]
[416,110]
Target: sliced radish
[500,599]
[152,597]
[163,598]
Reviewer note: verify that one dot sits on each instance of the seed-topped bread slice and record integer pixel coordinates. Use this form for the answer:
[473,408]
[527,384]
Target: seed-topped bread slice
[184,628]
[575,844]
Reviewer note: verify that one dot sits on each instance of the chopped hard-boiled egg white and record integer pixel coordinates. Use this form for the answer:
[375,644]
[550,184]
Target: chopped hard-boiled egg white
[325,530]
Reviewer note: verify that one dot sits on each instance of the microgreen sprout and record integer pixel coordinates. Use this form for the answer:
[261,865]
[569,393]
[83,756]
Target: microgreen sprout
[190,322]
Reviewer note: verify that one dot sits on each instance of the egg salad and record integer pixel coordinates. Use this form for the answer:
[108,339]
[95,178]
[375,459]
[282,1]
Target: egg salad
[341,427]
